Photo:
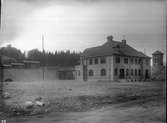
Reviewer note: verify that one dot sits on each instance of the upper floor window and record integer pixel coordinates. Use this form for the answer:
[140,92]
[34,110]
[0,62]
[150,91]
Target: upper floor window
[155,60]
[103,72]
[140,61]
[90,61]
[91,73]
[147,62]
[131,60]
[126,60]
[96,60]
[102,60]
[117,59]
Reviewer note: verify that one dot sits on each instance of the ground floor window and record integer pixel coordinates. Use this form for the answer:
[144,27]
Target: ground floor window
[139,72]
[122,74]
[127,72]
[132,72]
[135,72]
[103,72]
[91,73]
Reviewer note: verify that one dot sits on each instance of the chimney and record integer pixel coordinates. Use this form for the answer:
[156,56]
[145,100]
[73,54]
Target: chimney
[110,38]
[124,41]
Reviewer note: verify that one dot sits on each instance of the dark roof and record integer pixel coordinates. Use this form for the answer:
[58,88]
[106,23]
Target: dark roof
[31,61]
[113,48]
[157,53]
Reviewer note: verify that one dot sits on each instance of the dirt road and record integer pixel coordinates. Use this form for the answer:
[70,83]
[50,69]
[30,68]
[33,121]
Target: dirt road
[152,111]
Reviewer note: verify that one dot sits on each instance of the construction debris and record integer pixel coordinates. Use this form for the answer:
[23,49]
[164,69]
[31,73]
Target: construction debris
[6,95]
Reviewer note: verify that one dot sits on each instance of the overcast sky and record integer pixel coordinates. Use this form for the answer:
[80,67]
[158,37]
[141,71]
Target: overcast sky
[79,24]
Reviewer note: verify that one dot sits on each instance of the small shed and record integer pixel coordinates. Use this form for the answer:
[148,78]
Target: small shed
[31,64]
[17,65]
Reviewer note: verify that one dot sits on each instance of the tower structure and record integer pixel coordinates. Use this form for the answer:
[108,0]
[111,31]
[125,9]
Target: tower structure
[157,59]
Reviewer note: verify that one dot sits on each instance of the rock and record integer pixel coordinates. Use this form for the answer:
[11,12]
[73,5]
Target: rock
[29,104]
[39,103]
[6,95]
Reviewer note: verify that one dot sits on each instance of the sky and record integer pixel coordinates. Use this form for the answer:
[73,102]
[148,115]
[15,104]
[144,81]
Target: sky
[78,24]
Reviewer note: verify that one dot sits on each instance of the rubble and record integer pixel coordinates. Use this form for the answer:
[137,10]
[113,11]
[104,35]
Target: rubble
[37,106]
[40,103]
[6,95]
[29,104]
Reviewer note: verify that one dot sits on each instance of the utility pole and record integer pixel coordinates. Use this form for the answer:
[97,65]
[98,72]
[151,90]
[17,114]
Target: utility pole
[43,51]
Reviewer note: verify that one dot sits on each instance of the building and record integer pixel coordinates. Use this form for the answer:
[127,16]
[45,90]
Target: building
[114,60]
[157,57]
[66,73]
[17,65]
[31,64]
[158,69]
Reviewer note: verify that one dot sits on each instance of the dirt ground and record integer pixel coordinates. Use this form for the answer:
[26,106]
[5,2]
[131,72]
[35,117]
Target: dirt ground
[91,102]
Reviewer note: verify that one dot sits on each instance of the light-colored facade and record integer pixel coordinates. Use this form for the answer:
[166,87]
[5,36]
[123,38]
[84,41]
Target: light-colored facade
[106,63]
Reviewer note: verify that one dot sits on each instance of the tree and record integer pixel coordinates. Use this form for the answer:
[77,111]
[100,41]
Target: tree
[12,52]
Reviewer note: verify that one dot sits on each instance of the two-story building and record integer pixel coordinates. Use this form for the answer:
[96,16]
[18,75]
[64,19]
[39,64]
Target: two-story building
[114,60]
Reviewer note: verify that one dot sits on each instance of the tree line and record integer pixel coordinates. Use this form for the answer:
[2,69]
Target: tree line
[47,58]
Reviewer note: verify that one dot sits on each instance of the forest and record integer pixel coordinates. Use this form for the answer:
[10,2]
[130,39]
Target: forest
[47,58]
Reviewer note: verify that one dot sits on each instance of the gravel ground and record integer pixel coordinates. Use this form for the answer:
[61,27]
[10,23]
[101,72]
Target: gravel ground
[73,97]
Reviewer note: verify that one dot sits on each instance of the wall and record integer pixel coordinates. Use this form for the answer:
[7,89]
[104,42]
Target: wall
[97,69]
[30,74]
[130,66]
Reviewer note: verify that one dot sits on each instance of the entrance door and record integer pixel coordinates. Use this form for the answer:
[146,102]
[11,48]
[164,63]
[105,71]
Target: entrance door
[122,74]
[147,74]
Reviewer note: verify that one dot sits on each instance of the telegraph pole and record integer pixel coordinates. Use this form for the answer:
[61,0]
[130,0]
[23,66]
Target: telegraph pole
[43,51]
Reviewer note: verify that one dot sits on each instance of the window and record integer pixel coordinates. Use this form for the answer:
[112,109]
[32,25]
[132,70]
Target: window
[115,71]
[117,59]
[131,60]
[135,72]
[127,72]
[147,62]
[139,72]
[103,72]
[90,61]
[155,60]
[78,73]
[132,72]
[96,60]
[126,60]
[140,61]
[102,60]
[91,73]
[136,61]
